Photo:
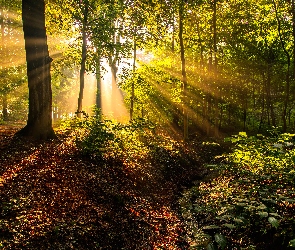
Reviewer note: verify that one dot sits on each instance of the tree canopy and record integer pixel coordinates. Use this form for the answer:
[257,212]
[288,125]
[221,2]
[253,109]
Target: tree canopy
[175,122]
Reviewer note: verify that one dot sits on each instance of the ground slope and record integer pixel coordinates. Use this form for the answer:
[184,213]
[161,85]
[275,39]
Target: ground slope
[53,198]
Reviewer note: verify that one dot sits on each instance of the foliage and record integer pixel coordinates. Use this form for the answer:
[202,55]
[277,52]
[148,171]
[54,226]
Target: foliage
[157,91]
[104,138]
[251,201]
[12,56]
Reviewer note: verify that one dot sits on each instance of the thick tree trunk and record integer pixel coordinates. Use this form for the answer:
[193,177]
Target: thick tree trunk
[183,73]
[39,124]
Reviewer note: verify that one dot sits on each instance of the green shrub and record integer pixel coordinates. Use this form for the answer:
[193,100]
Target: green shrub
[105,138]
[252,201]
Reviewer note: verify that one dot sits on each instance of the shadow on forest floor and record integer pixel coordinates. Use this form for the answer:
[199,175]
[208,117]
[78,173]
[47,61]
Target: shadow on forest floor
[52,198]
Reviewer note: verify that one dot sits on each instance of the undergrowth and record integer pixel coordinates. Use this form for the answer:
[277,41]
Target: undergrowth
[105,139]
[251,204]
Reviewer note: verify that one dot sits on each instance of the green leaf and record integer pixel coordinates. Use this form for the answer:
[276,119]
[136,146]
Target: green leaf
[292,243]
[227,139]
[221,240]
[241,204]
[238,220]
[231,226]
[243,134]
[263,214]
[273,221]
[262,206]
[210,227]
[210,246]
[275,214]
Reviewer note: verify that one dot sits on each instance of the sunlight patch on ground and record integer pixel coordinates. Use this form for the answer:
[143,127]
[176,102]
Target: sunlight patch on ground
[12,172]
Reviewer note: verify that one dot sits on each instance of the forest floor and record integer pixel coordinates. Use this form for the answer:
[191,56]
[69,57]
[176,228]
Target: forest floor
[54,198]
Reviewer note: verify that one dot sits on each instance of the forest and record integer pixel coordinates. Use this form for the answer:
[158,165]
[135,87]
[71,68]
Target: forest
[144,124]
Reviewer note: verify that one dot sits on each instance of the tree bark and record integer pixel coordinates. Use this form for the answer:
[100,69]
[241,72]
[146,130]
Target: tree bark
[183,73]
[98,87]
[5,107]
[269,98]
[39,124]
[173,36]
[293,25]
[217,94]
[2,30]
[83,63]
[287,86]
[132,84]
[3,51]
[214,37]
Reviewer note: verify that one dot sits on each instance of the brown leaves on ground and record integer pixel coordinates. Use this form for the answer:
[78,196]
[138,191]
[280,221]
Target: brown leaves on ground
[52,198]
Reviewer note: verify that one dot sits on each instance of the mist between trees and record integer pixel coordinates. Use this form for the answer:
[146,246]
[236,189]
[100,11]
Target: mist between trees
[192,66]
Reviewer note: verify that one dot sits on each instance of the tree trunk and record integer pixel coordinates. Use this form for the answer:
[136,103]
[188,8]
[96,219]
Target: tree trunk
[200,44]
[293,25]
[217,94]
[269,98]
[183,73]
[214,37]
[2,31]
[114,70]
[3,52]
[83,63]
[263,103]
[39,124]
[245,107]
[98,87]
[287,86]
[173,36]
[4,110]
[113,61]
[132,84]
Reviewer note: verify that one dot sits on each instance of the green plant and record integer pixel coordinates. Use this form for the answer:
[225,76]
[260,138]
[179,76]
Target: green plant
[253,198]
[105,138]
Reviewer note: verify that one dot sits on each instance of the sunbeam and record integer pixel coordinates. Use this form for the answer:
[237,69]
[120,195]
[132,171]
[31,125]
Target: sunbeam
[112,100]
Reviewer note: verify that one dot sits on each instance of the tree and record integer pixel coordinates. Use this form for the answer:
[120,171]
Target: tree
[85,11]
[39,123]
[11,46]
[183,72]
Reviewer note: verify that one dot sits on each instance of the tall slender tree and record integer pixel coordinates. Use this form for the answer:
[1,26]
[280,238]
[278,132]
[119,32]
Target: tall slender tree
[85,11]
[183,71]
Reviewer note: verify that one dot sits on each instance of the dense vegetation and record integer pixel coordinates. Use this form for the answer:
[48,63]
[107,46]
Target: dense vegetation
[239,60]
[251,201]
[178,174]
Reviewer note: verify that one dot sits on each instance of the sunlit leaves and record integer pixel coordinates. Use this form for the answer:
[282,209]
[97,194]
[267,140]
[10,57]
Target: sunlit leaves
[273,221]
[253,191]
[292,243]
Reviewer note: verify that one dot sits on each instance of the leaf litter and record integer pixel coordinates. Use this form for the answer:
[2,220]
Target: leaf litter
[54,198]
